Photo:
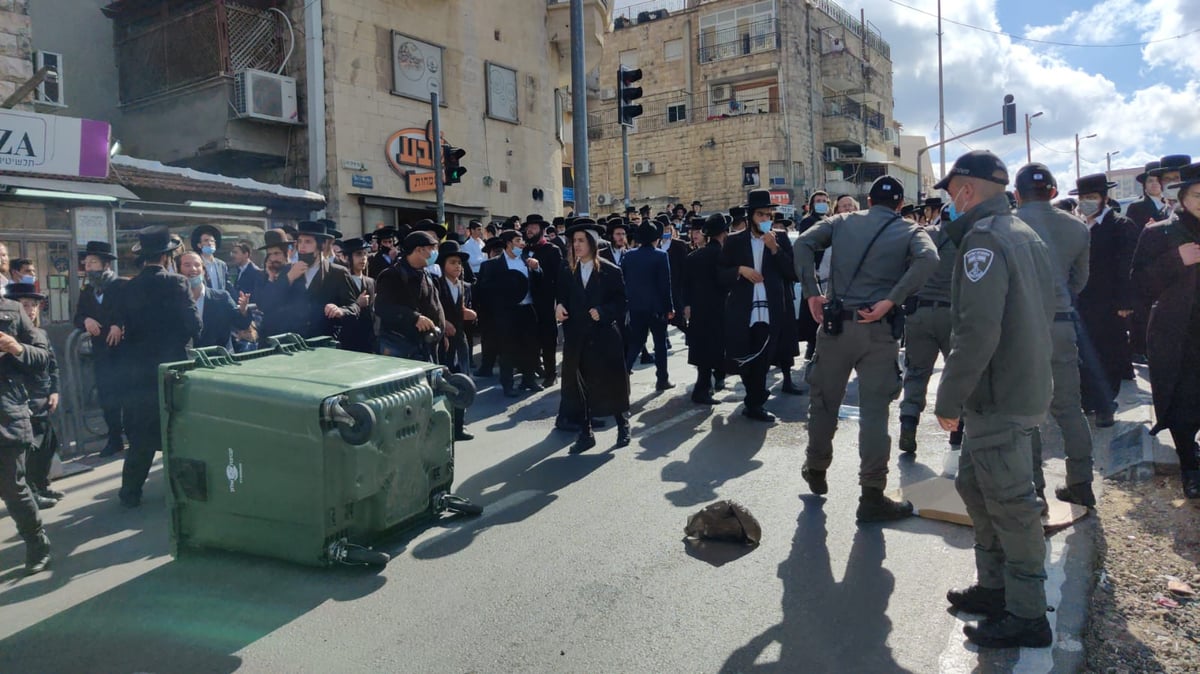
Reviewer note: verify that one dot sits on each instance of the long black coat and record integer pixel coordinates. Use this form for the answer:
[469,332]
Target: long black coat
[107,313]
[1160,274]
[705,285]
[545,291]
[221,317]
[593,363]
[1108,291]
[160,318]
[358,333]
[290,307]
[498,292]
[788,346]
[677,254]
[777,271]
[1144,212]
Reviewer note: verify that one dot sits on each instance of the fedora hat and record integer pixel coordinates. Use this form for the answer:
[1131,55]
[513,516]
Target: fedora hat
[352,246]
[19,291]
[427,225]
[714,225]
[757,199]
[275,238]
[101,249]
[1147,172]
[313,229]
[449,249]
[330,227]
[1171,162]
[1094,183]
[737,213]
[156,240]
[201,231]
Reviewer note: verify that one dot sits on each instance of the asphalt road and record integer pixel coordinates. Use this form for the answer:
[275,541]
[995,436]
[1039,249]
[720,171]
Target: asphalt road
[577,565]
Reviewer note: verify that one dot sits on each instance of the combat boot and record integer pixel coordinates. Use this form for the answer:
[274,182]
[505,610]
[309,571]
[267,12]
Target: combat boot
[584,442]
[1079,494]
[1009,631]
[1191,483]
[988,601]
[908,434]
[873,506]
[815,479]
[37,553]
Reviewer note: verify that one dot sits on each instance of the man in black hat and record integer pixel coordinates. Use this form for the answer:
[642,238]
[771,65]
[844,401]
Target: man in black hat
[160,318]
[545,292]
[358,333]
[385,237]
[618,235]
[881,261]
[1069,245]
[1152,207]
[329,244]
[1168,173]
[489,338]
[738,219]
[244,275]
[705,284]
[998,380]
[505,292]
[648,270]
[206,240]
[312,296]
[455,293]
[1106,301]
[933,210]
[411,321]
[473,246]
[677,252]
[98,314]
[220,314]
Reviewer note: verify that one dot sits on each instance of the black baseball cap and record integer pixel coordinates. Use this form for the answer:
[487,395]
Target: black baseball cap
[885,190]
[980,164]
[1035,175]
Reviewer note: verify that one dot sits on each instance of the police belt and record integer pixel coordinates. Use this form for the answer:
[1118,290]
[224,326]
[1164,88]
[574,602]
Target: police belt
[853,316]
[932,304]
[1065,316]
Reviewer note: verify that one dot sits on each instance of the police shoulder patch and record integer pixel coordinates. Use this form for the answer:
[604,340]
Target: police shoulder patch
[976,263]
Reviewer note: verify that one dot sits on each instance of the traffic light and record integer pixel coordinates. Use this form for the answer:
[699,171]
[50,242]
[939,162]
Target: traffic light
[626,95]
[1010,115]
[451,169]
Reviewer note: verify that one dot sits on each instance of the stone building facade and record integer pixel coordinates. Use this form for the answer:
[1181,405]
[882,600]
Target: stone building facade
[741,94]
[16,46]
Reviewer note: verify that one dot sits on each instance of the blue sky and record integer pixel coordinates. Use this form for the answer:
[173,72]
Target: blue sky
[1142,101]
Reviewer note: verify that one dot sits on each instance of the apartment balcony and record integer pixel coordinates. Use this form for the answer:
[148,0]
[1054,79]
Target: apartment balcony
[754,38]
[596,21]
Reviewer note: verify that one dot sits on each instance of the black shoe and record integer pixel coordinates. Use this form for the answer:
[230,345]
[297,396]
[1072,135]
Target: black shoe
[130,501]
[646,359]
[111,449]
[484,373]
[816,480]
[1105,420]
[1191,483]
[463,436]
[583,443]
[908,436]
[873,506]
[988,601]
[791,388]
[44,503]
[37,554]
[706,399]
[511,393]
[1139,359]
[719,384]
[549,381]
[663,385]
[623,435]
[47,492]
[758,414]
[1080,494]
[532,385]
[561,424]
[1009,631]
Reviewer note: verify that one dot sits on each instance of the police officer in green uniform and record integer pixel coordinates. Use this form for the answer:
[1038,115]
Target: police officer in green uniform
[926,334]
[1069,243]
[880,260]
[998,379]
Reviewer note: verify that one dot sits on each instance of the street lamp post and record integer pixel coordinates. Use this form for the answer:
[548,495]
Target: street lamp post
[1028,122]
[1077,139]
[1108,159]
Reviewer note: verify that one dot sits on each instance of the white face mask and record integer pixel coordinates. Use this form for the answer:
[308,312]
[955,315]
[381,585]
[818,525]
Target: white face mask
[1089,207]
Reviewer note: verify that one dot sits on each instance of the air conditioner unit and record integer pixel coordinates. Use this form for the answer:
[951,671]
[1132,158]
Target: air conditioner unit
[833,154]
[50,91]
[603,199]
[720,93]
[266,96]
[643,167]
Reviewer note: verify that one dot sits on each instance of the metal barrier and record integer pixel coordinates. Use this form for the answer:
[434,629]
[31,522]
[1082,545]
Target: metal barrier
[77,405]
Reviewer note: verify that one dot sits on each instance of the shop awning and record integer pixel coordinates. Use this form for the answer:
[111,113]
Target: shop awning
[421,205]
[102,189]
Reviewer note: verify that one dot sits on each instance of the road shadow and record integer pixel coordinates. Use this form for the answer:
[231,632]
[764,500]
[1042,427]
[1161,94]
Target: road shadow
[726,452]
[716,553]
[191,615]
[912,470]
[827,626]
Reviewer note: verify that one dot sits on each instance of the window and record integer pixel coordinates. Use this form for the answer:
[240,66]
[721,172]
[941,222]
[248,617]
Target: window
[50,92]
[777,171]
[797,174]
[673,49]
[750,175]
[737,31]
[676,113]
[629,58]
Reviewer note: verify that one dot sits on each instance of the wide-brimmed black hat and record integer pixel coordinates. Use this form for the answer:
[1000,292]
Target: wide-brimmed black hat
[647,232]
[494,243]
[907,209]
[757,199]
[202,230]
[330,227]
[980,164]
[678,207]
[934,203]
[385,232]
[313,229]
[1096,182]
[534,219]
[714,225]
[275,238]
[101,249]
[352,246]
[1171,162]
[1188,175]
[737,213]
[449,249]
[19,291]
[587,226]
[614,225]
[1151,166]
[644,209]
[630,209]
[427,225]
[155,240]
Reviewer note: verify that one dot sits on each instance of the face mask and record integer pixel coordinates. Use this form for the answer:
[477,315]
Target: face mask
[308,258]
[1089,207]
[666,236]
[195,281]
[764,227]
[95,277]
[432,257]
[1173,195]
[28,279]
[821,208]
[207,250]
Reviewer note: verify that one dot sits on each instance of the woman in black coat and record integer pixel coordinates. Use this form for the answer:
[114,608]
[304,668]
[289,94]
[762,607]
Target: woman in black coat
[1165,268]
[591,305]
[705,284]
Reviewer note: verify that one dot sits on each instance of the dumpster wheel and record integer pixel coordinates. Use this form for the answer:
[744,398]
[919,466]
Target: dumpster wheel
[342,552]
[455,504]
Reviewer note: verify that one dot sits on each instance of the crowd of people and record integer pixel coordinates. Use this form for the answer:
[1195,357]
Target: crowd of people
[1038,307]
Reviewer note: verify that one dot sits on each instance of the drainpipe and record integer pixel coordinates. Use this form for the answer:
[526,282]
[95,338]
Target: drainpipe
[314,58]
[817,157]
[785,72]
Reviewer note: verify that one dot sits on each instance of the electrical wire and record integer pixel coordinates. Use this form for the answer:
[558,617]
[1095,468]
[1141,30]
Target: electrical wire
[291,39]
[1048,42]
[1047,147]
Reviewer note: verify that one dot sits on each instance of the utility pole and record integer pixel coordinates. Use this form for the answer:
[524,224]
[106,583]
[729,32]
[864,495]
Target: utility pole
[1108,158]
[1077,139]
[941,97]
[436,143]
[579,111]
[1028,123]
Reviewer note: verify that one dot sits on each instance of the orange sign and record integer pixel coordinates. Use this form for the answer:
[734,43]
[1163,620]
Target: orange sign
[409,150]
[421,182]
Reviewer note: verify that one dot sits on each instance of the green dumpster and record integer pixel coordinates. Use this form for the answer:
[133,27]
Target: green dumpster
[305,452]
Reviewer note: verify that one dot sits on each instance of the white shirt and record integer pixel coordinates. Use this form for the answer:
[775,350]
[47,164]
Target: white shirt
[617,254]
[1099,217]
[200,304]
[585,271]
[517,264]
[759,311]
[455,290]
[358,282]
[474,250]
[311,273]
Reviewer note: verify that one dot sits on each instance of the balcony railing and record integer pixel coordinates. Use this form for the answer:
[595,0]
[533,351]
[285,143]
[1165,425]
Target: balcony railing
[855,26]
[753,38]
[663,112]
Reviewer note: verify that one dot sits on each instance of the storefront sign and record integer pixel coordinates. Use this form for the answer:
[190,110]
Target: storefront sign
[421,182]
[410,154]
[53,145]
[91,224]
[781,197]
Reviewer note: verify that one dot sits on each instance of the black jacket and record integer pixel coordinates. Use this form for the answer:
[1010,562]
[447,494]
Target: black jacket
[401,294]
[545,292]
[648,280]
[777,271]
[290,307]
[220,319]
[705,285]
[358,334]
[1109,289]
[1144,211]
[160,319]
[453,311]
[247,281]
[15,372]
[43,383]
[107,313]
[377,263]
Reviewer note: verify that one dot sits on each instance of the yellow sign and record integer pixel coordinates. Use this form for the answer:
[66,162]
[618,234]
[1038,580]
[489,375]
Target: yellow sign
[421,182]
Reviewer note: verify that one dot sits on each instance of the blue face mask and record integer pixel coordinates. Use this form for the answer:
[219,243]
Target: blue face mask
[195,281]
[764,227]
[28,279]
[821,208]
[666,236]
[951,213]
[207,250]
[433,257]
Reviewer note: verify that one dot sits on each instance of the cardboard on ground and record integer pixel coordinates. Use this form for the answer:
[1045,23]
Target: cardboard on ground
[937,499]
